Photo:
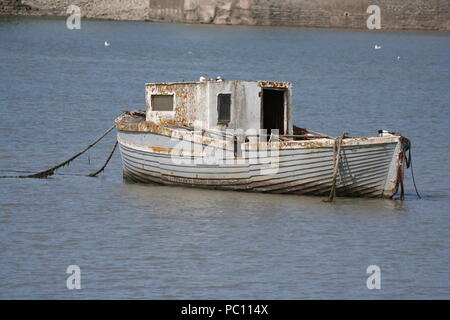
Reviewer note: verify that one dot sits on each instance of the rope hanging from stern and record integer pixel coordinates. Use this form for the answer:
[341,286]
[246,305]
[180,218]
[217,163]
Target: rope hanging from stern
[337,158]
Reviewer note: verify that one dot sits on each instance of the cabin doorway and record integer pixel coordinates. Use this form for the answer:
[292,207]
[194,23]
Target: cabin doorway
[273,110]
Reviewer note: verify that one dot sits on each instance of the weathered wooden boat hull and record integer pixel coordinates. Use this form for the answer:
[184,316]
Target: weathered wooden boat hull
[368,167]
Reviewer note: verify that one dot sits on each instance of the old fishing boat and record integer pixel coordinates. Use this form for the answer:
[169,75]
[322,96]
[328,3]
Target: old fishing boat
[239,135]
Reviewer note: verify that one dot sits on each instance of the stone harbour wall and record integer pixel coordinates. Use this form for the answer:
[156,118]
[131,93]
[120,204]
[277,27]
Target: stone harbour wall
[395,14]
[95,9]
[13,7]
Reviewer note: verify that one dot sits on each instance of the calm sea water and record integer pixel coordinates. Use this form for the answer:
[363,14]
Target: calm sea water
[62,88]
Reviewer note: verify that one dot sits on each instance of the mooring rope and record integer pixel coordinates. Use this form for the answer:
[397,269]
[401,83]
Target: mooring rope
[410,164]
[401,174]
[94,174]
[337,157]
[46,173]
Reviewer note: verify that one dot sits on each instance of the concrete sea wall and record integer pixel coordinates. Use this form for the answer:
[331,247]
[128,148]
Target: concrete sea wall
[395,14]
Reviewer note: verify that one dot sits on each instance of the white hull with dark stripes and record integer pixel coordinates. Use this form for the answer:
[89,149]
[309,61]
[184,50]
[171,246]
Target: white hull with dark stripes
[368,167]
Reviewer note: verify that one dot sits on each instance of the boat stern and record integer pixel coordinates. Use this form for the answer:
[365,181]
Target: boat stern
[396,173]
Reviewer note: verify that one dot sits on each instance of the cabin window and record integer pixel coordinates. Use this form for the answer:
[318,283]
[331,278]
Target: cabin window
[162,102]
[223,108]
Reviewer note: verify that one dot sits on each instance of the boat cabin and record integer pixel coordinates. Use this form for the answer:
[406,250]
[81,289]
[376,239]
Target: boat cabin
[221,104]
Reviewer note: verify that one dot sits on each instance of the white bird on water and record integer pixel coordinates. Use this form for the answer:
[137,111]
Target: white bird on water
[107,44]
[377,47]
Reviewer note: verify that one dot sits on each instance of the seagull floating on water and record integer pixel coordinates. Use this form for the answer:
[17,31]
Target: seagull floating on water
[107,44]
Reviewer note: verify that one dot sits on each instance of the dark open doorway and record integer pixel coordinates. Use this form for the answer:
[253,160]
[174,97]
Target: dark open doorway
[273,110]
